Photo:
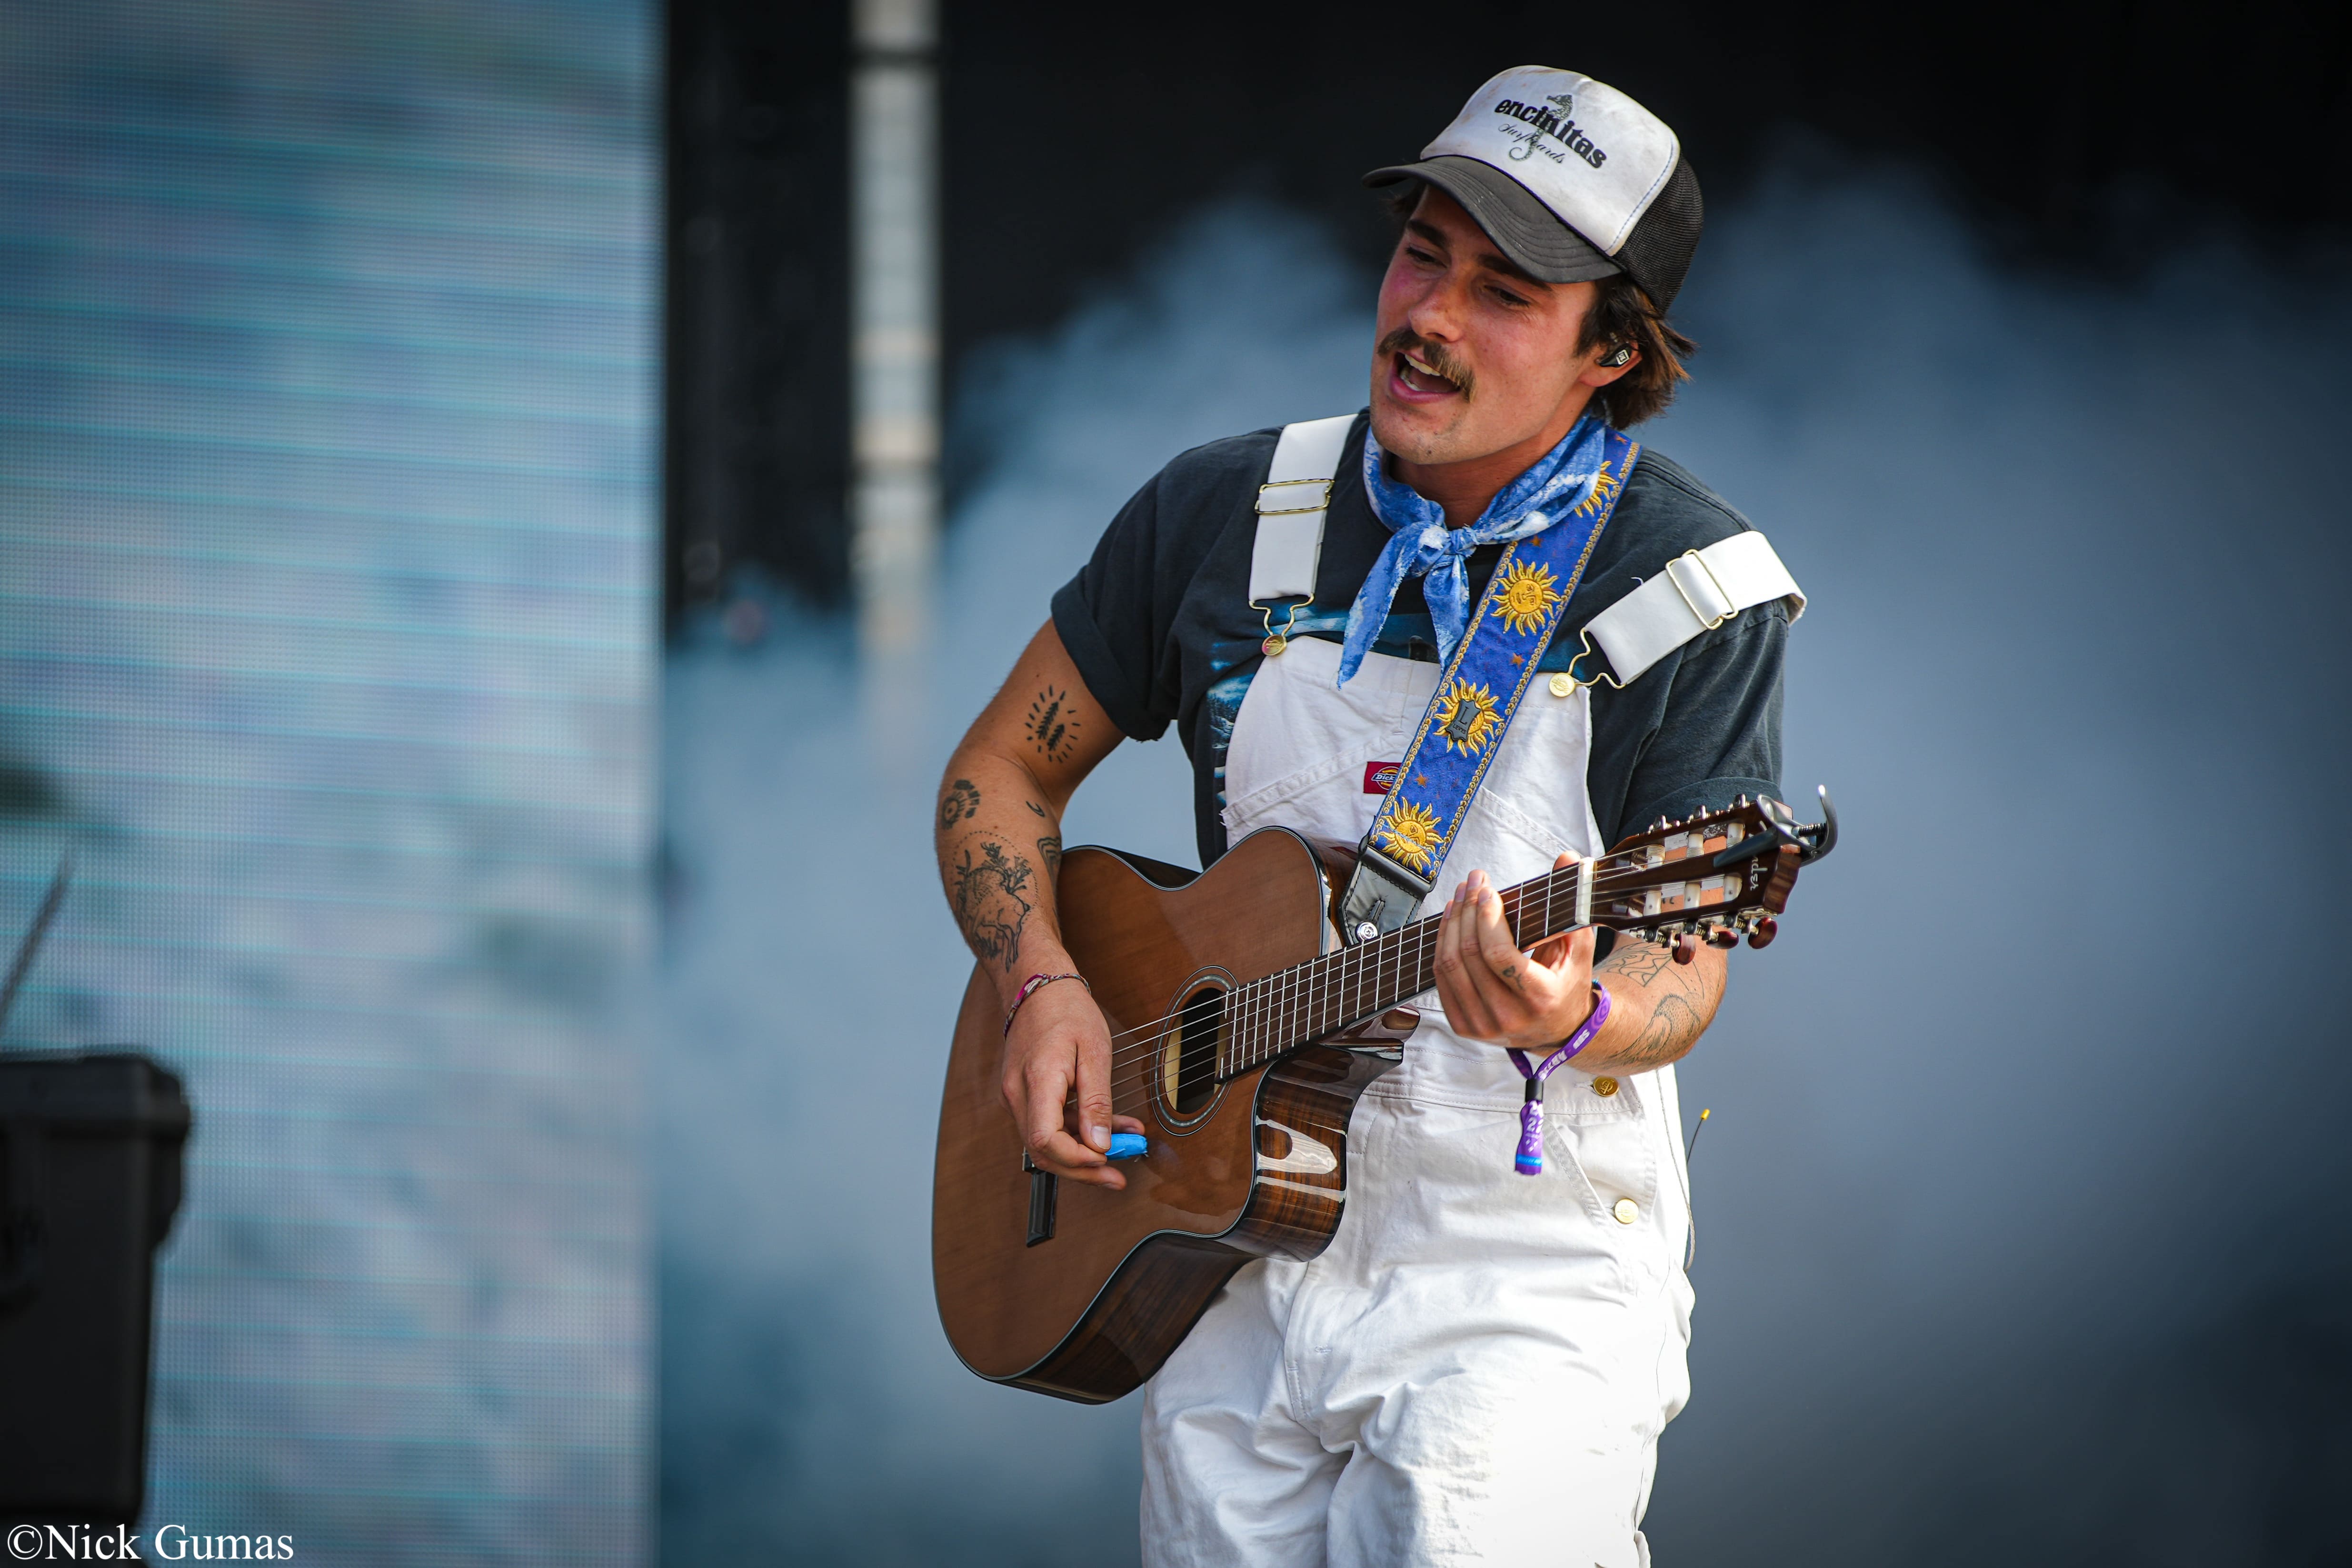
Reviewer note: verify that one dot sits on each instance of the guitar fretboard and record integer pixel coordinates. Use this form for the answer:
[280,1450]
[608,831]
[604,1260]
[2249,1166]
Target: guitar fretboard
[1338,990]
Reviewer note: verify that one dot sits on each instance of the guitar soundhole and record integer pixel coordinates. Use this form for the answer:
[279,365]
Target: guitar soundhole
[1188,1071]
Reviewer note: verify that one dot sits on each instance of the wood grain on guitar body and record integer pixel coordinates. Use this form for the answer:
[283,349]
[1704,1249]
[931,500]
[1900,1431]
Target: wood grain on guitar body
[1242,1035]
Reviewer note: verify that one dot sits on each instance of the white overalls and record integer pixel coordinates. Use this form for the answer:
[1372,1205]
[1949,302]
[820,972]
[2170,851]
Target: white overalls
[1478,1368]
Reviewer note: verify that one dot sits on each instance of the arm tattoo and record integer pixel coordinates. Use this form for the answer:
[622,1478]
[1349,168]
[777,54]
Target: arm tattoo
[1033,806]
[1049,724]
[1674,1024]
[960,804]
[989,905]
[1050,849]
[1638,961]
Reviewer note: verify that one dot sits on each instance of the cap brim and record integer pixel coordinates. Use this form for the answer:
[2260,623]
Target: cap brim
[1528,232]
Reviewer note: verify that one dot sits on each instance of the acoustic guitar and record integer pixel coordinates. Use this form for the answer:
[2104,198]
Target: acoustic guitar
[1243,1031]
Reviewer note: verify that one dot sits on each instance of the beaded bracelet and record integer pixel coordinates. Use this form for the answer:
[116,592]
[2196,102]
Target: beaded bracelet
[1030,987]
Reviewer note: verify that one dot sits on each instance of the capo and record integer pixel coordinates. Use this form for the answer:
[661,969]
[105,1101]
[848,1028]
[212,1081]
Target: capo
[1811,842]
[1821,837]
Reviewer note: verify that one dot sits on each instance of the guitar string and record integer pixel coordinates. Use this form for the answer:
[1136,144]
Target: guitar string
[1268,1000]
[1169,1022]
[1551,885]
[1260,1000]
[1429,922]
[1283,1002]
[1261,1004]
[1265,1051]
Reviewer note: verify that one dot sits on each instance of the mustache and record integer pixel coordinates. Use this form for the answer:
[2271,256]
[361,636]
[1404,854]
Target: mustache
[1405,340]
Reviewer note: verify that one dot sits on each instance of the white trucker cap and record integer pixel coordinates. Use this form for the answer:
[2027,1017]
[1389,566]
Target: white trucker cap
[1572,178]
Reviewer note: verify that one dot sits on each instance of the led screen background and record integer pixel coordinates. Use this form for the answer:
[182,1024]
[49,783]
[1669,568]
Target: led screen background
[328,371]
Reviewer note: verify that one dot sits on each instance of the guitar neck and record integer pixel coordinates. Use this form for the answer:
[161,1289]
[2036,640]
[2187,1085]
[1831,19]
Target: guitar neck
[1716,875]
[1340,989]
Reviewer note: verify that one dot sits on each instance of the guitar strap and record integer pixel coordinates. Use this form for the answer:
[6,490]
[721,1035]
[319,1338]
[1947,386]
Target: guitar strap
[1480,687]
[1478,692]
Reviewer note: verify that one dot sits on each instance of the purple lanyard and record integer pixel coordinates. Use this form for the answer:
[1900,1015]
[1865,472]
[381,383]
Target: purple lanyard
[1530,1162]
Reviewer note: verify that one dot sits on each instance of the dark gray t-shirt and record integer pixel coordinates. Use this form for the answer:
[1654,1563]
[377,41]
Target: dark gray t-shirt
[1158,623]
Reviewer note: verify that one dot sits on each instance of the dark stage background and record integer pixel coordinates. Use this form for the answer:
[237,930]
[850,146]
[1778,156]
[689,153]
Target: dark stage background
[2091,140]
[2026,332]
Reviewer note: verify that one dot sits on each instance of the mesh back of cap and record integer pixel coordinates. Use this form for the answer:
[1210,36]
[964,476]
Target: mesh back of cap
[1658,252]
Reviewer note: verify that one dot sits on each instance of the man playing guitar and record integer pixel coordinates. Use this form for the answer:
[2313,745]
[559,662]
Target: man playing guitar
[1479,1367]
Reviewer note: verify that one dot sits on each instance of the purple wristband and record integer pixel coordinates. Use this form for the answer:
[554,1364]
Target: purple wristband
[1529,1160]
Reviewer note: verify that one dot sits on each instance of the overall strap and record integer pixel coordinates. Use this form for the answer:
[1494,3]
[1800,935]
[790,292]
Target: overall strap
[1478,691]
[1291,506]
[1697,592]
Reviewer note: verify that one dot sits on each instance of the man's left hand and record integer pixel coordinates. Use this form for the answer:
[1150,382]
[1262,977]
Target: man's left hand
[1492,991]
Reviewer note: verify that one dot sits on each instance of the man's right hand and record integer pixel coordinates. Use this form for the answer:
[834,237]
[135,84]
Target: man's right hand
[1060,1041]
[999,835]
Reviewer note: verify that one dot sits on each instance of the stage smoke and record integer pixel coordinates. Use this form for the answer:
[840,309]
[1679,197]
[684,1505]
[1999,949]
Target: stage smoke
[2014,1226]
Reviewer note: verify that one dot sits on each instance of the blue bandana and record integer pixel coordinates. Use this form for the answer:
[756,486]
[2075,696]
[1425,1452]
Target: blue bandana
[1420,545]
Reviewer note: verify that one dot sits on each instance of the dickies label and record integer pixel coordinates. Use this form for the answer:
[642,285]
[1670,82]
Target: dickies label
[1381,778]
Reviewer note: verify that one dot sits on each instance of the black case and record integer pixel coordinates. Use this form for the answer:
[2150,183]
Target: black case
[90,1148]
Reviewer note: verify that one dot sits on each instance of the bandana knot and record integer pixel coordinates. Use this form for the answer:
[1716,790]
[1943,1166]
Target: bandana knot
[1420,545]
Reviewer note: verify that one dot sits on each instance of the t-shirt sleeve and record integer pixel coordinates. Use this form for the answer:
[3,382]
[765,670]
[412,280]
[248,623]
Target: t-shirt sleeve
[1719,735]
[1112,619]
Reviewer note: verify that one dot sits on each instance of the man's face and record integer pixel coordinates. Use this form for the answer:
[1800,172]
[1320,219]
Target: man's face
[1473,356]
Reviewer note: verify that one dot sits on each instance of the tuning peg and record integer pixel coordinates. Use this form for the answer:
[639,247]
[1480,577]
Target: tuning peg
[1765,929]
[1685,947]
[1723,936]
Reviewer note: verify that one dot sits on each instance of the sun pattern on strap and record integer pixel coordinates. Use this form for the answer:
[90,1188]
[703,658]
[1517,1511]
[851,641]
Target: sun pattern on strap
[1525,596]
[1487,675]
[1605,490]
[1468,717]
[1409,837]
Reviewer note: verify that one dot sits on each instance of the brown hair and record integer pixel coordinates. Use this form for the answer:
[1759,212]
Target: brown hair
[1620,313]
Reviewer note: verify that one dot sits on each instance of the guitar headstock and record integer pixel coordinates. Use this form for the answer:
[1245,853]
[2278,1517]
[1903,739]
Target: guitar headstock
[1713,877]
